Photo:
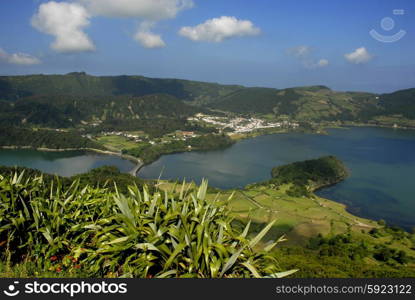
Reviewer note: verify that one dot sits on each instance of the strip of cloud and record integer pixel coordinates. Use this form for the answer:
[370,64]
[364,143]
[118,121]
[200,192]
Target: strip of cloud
[359,56]
[323,63]
[18,58]
[147,38]
[304,54]
[154,10]
[219,29]
[66,22]
[300,51]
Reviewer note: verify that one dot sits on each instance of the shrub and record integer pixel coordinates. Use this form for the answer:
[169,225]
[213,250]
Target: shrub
[93,231]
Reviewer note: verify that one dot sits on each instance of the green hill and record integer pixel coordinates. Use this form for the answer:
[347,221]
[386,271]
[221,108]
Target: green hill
[23,137]
[66,100]
[400,102]
[82,84]
[67,110]
[60,101]
[316,103]
[319,172]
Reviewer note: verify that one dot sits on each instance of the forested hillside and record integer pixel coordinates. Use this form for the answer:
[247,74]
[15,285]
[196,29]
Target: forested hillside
[400,102]
[67,111]
[316,103]
[22,137]
[81,84]
[73,99]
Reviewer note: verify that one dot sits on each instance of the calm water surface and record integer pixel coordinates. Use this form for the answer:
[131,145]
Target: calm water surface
[61,163]
[381,161]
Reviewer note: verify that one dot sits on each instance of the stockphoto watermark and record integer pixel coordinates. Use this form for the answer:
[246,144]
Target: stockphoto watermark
[16,288]
[388,25]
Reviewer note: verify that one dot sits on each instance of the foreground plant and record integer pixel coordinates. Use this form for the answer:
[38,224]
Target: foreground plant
[99,233]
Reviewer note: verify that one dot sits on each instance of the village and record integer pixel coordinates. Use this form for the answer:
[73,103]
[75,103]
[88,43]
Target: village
[240,124]
[227,125]
[139,138]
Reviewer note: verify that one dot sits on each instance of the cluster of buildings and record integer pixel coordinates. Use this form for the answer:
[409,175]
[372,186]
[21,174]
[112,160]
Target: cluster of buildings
[129,136]
[241,125]
[177,135]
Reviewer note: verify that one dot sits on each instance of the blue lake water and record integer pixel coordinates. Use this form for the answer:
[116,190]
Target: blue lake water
[62,163]
[381,162]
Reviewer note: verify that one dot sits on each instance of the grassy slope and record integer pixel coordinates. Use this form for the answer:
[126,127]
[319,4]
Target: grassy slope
[299,218]
[307,103]
[302,218]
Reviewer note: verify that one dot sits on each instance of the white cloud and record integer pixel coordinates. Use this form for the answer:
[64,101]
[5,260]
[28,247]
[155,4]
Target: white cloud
[219,29]
[18,58]
[144,9]
[300,51]
[147,38]
[323,63]
[359,56]
[304,54]
[311,64]
[65,21]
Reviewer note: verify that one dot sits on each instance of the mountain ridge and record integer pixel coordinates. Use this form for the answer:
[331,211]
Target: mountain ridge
[56,100]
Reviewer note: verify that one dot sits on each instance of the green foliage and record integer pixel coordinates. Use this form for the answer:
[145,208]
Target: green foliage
[108,177]
[258,100]
[21,137]
[399,103]
[65,100]
[346,256]
[397,233]
[346,246]
[340,246]
[96,233]
[156,127]
[298,190]
[315,173]
[66,110]
[315,103]
[306,176]
[81,84]
[24,112]
[103,177]
[149,153]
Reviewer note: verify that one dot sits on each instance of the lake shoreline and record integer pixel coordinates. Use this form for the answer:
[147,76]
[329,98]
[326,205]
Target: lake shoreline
[139,163]
[367,137]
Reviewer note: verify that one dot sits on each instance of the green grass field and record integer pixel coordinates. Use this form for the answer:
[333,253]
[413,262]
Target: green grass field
[117,143]
[298,218]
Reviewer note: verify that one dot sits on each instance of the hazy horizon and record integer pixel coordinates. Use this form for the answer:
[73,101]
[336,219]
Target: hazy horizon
[276,44]
[213,82]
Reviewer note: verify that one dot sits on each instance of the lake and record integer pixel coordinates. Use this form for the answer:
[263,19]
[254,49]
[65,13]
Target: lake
[62,163]
[381,162]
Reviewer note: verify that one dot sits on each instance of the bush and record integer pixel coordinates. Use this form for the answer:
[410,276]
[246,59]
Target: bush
[99,233]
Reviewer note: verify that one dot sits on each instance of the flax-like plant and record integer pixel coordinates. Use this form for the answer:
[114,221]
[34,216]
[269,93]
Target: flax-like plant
[163,234]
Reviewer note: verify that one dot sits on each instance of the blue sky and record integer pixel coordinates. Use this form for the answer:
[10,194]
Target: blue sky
[271,43]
